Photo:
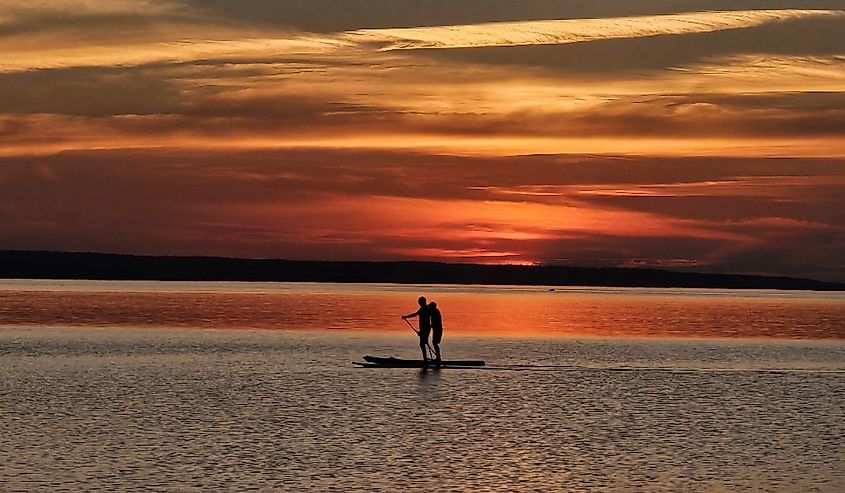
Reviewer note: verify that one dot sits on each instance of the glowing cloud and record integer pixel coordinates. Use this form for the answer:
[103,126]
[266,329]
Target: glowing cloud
[575,30]
[181,51]
[247,46]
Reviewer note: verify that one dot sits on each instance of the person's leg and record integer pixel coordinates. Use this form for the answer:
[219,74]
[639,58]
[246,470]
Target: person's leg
[423,349]
[436,342]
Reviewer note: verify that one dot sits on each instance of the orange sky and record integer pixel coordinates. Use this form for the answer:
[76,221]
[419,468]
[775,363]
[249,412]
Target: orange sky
[703,135]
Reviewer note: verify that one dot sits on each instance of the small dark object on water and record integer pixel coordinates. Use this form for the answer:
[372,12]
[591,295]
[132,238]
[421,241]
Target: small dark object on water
[376,362]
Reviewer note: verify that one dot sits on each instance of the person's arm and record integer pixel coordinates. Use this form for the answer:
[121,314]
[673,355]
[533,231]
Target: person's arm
[415,314]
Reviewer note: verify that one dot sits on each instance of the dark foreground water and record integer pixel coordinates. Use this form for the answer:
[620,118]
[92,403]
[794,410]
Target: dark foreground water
[98,407]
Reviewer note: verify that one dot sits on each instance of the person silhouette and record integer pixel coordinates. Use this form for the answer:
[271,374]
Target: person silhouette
[436,329]
[424,315]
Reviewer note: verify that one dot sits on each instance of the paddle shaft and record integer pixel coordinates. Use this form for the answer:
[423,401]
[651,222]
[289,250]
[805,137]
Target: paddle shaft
[430,350]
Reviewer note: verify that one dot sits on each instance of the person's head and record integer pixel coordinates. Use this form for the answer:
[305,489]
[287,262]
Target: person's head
[432,305]
[421,301]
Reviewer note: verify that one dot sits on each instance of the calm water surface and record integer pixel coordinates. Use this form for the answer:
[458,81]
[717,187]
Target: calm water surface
[139,386]
[469,310]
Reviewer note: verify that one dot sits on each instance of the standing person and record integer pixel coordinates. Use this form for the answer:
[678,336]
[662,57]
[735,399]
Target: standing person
[436,329]
[425,324]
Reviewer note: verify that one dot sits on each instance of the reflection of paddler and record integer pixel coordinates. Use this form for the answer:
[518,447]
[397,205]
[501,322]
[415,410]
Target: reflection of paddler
[436,329]
[424,314]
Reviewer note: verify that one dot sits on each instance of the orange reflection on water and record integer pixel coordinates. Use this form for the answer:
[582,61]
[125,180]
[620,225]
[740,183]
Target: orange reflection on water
[467,311]
[668,315]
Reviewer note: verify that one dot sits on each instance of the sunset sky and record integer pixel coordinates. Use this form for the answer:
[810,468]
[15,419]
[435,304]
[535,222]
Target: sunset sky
[692,135]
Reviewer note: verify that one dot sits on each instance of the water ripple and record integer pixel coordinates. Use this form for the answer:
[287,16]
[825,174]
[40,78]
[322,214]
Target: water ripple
[137,410]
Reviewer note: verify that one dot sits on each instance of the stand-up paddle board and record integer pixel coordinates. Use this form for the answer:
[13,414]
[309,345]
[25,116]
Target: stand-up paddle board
[376,362]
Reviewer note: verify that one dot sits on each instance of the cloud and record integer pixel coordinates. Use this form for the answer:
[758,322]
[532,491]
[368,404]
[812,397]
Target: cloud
[331,16]
[575,30]
[246,136]
[338,90]
[87,92]
[750,105]
[357,204]
[170,52]
[247,46]
[16,11]
[810,36]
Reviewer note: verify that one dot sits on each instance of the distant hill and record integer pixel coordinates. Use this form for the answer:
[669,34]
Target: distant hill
[15,264]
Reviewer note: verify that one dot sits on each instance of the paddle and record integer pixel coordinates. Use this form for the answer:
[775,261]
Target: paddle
[430,350]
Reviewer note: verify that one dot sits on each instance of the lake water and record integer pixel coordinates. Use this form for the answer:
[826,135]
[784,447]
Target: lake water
[251,386]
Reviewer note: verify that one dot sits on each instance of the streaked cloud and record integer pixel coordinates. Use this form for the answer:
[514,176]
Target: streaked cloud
[172,52]
[182,50]
[576,30]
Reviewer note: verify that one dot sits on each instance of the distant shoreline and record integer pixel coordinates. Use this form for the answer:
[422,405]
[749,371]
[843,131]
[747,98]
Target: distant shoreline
[19,264]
